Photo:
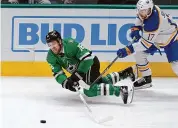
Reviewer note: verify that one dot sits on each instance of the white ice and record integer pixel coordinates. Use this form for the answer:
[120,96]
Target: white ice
[27,100]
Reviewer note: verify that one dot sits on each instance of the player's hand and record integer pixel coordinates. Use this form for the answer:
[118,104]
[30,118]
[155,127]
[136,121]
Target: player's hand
[69,84]
[123,52]
[136,33]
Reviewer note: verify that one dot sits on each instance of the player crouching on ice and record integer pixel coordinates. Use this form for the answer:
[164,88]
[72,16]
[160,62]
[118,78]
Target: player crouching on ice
[158,31]
[82,65]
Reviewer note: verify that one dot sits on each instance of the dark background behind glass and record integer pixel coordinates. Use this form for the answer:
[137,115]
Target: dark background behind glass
[158,2]
[126,2]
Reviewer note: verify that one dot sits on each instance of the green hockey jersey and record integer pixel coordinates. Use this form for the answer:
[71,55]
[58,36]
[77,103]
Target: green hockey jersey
[75,57]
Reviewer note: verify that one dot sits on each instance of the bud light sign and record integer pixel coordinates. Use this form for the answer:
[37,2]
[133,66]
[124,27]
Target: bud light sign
[98,33]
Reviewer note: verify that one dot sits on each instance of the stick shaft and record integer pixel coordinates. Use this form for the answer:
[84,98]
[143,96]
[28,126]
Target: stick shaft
[109,66]
[105,70]
[90,111]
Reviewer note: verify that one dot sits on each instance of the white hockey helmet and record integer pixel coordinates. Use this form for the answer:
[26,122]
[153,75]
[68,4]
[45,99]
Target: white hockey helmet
[144,8]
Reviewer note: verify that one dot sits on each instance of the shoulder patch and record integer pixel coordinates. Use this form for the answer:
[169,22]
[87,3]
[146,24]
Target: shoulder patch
[152,23]
[70,40]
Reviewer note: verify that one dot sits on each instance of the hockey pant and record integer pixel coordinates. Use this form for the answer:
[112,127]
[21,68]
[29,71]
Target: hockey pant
[172,56]
[143,63]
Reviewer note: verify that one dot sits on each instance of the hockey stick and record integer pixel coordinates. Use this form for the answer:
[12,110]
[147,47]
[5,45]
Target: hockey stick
[90,113]
[86,86]
[109,66]
[105,70]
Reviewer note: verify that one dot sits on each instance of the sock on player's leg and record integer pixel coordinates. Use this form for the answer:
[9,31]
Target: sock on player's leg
[102,89]
[114,77]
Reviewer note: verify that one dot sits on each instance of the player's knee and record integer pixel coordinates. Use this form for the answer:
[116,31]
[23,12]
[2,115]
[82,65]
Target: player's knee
[175,67]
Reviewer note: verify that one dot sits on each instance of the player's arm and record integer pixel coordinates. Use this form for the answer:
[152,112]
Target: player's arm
[57,70]
[84,56]
[59,74]
[146,43]
[136,30]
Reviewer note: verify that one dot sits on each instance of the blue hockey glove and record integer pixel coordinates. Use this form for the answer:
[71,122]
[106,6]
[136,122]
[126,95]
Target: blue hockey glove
[123,52]
[136,33]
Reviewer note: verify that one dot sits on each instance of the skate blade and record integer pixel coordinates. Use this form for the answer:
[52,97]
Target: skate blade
[130,95]
[143,87]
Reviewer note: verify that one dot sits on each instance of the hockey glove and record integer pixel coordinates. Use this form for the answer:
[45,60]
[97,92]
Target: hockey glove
[69,84]
[136,33]
[123,52]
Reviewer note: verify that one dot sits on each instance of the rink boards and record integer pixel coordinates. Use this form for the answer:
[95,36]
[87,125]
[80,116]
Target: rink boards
[102,30]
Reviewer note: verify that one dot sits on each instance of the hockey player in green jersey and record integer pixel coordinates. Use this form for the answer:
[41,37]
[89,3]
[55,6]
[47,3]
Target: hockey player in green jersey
[82,65]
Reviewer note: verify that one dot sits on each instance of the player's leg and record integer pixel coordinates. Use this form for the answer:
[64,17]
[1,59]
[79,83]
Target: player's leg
[143,67]
[111,78]
[102,89]
[175,67]
[172,55]
[114,77]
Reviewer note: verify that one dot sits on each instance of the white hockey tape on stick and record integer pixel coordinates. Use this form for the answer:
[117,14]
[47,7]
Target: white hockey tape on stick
[84,85]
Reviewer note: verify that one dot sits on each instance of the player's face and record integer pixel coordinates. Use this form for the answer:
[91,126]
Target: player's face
[144,13]
[55,47]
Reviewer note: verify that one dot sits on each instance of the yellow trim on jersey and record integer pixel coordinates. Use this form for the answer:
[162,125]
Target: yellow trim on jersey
[148,45]
[159,13]
[169,40]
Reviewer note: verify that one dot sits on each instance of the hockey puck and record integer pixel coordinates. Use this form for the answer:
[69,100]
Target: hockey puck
[43,121]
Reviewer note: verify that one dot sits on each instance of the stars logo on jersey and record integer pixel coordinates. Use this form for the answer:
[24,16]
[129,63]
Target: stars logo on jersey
[71,68]
[69,65]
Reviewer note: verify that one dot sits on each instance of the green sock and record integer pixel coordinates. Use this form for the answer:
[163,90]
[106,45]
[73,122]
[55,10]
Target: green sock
[115,77]
[102,89]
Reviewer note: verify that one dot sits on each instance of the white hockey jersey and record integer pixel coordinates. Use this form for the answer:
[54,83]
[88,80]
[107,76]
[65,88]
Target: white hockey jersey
[158,29]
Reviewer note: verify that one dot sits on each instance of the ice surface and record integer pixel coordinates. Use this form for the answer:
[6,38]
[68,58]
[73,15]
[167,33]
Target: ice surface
[27,100]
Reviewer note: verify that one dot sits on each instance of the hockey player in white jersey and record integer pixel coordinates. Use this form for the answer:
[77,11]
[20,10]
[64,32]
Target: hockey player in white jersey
[158,31]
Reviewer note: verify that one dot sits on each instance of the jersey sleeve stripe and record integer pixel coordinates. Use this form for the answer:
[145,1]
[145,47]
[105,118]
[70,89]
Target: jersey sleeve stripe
[86,54]
[89,58]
